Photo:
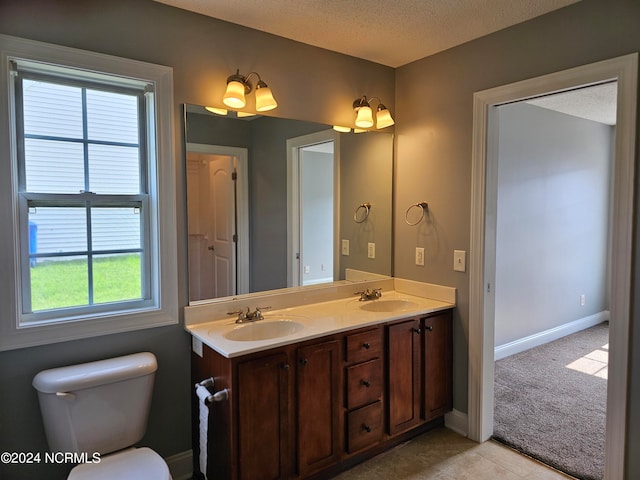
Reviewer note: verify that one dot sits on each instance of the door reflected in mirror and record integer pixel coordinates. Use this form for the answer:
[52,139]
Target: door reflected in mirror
[271,203]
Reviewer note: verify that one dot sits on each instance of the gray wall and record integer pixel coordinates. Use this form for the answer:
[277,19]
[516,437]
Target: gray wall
[366,172]
[552,220]
[202,52]
[434,146]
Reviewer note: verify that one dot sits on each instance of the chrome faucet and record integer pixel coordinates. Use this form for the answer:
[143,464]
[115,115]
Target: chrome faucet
[248,316]
[374,294]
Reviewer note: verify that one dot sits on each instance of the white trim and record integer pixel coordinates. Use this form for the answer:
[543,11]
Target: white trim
[242,205]
[163,214]
[537,339]
[181,465]
[293,201]
[457,421]
[481,343]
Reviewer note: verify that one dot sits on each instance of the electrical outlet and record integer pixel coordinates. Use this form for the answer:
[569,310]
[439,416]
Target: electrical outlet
[371,250]
[583,300]
[420,256]
[307,269]
[345,247]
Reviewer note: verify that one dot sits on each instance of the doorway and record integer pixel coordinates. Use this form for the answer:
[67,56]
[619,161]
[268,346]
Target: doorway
[313,202]
[217,221]
[552,227]
[482,261]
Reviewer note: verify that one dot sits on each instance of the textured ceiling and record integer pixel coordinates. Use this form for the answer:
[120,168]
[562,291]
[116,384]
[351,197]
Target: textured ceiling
[597,103]
[390,32]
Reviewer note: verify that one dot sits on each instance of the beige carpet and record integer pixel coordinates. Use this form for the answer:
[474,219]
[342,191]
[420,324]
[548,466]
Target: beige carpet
[550,402]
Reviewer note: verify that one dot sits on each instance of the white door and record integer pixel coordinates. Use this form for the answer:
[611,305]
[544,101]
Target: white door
[222,231]
[212,226]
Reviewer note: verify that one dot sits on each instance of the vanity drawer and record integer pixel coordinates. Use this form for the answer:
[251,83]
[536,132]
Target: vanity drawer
[364,427]
[364,383]
[364,345]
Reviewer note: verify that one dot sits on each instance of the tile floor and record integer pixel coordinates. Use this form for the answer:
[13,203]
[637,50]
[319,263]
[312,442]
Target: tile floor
[444,455]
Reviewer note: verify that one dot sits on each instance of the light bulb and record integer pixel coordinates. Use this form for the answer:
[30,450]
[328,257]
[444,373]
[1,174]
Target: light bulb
[364,118]
[234,96]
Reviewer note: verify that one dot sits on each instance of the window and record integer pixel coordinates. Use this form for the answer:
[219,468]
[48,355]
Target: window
[90,194]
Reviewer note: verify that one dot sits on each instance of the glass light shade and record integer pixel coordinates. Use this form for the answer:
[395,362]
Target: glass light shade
[383,118]
[338,128]
[216,110]
[234,96]
[264,99]
[359,130]
[364,118]
[245,114]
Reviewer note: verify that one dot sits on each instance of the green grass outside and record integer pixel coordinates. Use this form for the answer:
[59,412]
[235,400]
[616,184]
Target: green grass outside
[64,283]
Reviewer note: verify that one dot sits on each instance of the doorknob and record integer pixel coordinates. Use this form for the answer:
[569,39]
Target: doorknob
[211,248]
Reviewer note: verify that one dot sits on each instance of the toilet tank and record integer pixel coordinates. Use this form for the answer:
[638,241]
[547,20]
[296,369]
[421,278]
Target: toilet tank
[99,406]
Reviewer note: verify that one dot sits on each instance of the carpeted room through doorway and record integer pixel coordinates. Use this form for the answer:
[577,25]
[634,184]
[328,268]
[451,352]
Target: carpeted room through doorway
[550,402]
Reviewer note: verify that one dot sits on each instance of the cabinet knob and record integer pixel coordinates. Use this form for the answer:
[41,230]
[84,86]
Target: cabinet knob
[285,366]
[429,327]
[366,428]
[366,383]
[303,361]
[366,346]
[417,330]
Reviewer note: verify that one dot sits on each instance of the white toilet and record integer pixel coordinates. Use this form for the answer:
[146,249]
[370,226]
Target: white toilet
[102,407]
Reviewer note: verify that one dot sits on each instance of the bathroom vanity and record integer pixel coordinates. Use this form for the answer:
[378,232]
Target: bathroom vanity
[352,380]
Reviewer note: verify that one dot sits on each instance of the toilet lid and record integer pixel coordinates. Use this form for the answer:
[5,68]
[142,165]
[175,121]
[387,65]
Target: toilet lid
[134,463]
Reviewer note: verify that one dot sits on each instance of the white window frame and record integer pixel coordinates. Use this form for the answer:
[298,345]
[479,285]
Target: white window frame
[15,329]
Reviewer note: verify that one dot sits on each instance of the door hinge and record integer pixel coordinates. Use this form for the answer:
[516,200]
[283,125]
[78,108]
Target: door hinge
[235,238]
[488,288]
[234,175]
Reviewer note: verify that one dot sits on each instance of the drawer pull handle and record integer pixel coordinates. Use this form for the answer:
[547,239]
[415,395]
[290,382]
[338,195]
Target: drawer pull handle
[366,346]
[417,330]
[366,383]
[430,328]
[285,366]
[366,428]
[303,361]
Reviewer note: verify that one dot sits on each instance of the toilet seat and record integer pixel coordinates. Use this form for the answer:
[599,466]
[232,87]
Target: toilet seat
[131,464]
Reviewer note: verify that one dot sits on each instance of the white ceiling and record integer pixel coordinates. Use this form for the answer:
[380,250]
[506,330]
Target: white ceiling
[390,32]
[596,103]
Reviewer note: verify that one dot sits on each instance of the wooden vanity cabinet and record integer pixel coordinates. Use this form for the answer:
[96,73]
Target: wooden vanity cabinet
[312,409]
[404,374]
[438,364]
[364,386]
[318,379]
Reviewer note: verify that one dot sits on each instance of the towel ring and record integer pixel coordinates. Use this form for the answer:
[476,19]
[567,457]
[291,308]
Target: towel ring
[367,208]
[422,206]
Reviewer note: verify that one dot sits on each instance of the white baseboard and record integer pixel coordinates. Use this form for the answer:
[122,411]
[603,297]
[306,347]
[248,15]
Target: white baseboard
[457,421]
[547,336]
[181,465]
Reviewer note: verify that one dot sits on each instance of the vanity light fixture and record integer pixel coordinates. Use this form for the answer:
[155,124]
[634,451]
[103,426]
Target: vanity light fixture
[364,113]
[238,86]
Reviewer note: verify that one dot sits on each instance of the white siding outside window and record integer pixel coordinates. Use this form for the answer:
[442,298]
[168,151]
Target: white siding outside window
[85,180]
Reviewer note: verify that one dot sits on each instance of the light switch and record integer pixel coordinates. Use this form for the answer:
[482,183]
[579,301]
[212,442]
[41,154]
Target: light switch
[459,260]
[345,247]
[371,250]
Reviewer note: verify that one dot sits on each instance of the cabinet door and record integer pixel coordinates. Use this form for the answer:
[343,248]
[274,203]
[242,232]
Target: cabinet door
[318,410]
[263,425]
[438,360]
[403,343]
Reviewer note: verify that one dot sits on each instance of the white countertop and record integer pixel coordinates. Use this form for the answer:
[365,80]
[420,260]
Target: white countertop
[315,319]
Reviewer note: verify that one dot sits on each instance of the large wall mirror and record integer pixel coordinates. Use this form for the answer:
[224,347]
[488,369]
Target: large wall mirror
[275,203]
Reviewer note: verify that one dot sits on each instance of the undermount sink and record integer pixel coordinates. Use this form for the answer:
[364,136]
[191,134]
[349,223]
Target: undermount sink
[394,305]
[264,330]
